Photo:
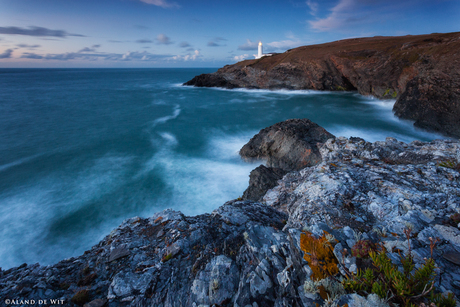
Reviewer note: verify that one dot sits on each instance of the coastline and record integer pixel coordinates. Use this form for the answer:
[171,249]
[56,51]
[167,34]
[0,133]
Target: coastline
[418,71]
[247,251]
[316,194]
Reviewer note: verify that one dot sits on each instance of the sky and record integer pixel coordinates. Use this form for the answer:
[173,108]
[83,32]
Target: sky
[200,33]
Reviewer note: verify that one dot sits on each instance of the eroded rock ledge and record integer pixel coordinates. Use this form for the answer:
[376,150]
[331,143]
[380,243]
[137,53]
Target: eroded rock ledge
[248,253]
[420,71]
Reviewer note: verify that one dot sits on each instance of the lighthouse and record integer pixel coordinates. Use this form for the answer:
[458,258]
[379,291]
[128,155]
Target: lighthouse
[260,53]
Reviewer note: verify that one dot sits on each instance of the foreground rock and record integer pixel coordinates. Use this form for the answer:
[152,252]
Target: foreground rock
[230,256]
[262,179]
[249,254]
[421,72]
[289,145]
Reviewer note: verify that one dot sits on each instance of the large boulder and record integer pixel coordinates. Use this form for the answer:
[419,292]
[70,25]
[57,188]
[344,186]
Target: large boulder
[262,179]
[290,145]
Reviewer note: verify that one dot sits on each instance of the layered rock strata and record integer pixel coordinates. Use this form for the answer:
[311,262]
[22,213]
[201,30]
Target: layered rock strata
[420,72]
[249,253]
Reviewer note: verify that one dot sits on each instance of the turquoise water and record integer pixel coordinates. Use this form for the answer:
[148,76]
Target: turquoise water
[83,149]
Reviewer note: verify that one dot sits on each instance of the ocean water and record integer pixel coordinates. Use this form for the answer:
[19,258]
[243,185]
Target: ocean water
[83,149]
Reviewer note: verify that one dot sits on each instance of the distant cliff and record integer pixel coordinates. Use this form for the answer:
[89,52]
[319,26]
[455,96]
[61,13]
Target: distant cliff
[421,72]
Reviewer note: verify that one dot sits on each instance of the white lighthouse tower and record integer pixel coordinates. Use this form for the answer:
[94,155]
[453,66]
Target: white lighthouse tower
[260,52]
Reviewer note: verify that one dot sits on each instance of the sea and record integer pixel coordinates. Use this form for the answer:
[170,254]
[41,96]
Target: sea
[81,150]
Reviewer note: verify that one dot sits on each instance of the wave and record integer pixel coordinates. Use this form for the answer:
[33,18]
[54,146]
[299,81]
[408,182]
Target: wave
[164,119]
[227,147]
[409,133]
[169,138]
[265,91]
[39,218]
[386,104]
[159,102]
[200,184]
[6,166]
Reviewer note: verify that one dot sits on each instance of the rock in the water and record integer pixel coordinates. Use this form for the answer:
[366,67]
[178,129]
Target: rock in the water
[290,145]
[203,80]
[262,179]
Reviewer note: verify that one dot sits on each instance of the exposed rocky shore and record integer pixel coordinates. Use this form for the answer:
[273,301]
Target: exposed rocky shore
[250,253]
[420,72]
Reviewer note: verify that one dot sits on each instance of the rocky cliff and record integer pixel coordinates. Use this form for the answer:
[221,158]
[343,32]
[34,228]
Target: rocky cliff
[268,253]
[421,72]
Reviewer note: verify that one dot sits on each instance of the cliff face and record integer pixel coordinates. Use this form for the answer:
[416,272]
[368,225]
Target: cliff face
[421,72]
[247,253]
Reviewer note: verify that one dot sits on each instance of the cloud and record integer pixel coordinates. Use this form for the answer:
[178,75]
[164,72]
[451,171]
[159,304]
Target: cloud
[242,57]
[64,56]
[128,56]
[162,3]
[114,41]
[28,46]
[313,7]
[7,54]
[215,42]
[277,45]
[28,55]
[339,16]
[250,45]
[144,41]
[286,44]
[189,57]
[36,31]
[348,13]
[92,49]
[184,45]
[164,40]
[141,27]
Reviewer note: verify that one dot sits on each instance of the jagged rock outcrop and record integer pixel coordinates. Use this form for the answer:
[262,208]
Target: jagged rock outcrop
[262,179]
[290,145]
[420,71]
[250,254]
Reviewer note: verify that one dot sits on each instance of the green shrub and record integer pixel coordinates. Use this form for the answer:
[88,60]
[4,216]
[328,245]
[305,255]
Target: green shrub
[406,286]
[455,218]
[450,164]
[362,248]
[167,257]
[409,287]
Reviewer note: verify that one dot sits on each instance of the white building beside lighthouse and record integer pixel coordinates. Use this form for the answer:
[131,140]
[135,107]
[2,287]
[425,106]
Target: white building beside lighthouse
[260,52]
